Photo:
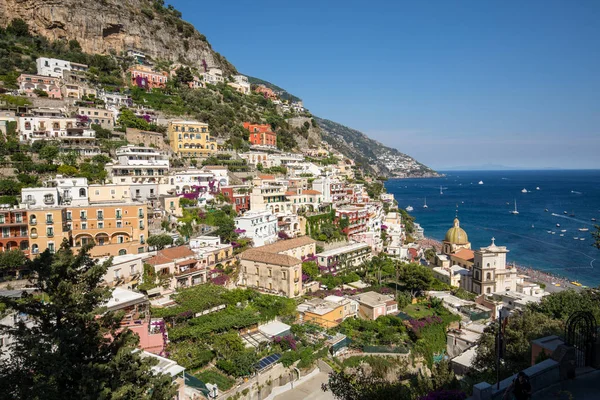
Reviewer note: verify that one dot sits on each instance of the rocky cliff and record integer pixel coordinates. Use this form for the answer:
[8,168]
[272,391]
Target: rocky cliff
[114,26]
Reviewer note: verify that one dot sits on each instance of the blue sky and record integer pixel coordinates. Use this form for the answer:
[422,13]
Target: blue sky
[451,83]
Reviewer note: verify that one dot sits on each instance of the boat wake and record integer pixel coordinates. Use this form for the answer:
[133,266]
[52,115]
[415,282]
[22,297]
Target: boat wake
[572,219]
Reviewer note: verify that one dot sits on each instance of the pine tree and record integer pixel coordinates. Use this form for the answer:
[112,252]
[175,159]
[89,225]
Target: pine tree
[69,351]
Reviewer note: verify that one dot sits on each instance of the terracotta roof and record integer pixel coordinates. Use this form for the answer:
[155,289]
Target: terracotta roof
[170,254]
[464,254]
[291,193]
[266,177]
[284,245]
[310,191]
[259,255]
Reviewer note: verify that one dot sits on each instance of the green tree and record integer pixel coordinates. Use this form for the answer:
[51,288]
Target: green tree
[416,278]
[184,75]
[160,241]
[311,269]
[69,351]
[12,259]
[49,153]
[18,27]
[67,170]
[101,133]
[596,236]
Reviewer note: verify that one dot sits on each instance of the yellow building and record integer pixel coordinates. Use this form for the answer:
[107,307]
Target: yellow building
[191,139]
[109,193]
[321,312]
[116,229]
[47,229]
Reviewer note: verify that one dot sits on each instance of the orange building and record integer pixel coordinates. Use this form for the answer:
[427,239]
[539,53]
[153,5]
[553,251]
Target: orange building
[13,225]
[261,134]
[265,91]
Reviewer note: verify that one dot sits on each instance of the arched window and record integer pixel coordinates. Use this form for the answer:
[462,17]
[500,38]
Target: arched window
[488,264]
[122,252]
[488,276]
[82,192]
[488,290]
[35,249]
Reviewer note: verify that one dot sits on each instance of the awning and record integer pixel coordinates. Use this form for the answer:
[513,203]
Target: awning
[152,292]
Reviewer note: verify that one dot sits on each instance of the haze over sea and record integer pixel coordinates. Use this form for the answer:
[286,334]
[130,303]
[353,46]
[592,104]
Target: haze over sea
[484,212]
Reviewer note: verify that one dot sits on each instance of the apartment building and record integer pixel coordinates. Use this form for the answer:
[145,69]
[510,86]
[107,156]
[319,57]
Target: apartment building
[304,199]
[124,271]
[260,226]
[213,76]
[211,253]
[52,67]
[276,268]
[98,116]
[270,195]
[28,83]
[261,135]
[238,196]
[145,77]
[182,264]
[191,138]
[138,165]
[116,229]
[345,257]
[13,229]
[355,218]
[332,189]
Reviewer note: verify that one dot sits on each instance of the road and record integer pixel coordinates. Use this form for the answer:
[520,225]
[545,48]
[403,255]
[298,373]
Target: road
[309,390]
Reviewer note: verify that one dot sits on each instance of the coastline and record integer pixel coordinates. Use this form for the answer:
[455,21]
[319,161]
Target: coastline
[533,275]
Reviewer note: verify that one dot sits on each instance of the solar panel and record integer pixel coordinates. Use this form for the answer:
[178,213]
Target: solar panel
[265,362]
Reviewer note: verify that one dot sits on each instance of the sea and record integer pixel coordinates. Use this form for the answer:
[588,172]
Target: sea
[482,200]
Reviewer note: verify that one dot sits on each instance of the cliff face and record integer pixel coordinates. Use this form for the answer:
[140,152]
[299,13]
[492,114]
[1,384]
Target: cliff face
[105,26]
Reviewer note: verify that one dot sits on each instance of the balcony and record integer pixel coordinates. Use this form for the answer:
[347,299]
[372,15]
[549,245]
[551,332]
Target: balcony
[49,222]
[33,222]
[83,217]
[33,235]
[100,217]
[50,234]
[30,202]
[141,215]
[69,217]
[48,200]
[119,216]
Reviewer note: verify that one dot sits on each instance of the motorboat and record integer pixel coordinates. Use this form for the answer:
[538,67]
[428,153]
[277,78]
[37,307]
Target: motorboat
[581,238]
[583,229]
[575,283]
[549,231]
[441,191]
[563,230]
[409,208]
[564,212]
[515,212]
[558,225]
[480,183]
[593,219]
[425,205]
[546,210]
[576,238]
[524,190]
[562,234]
[554,233]
[537,188]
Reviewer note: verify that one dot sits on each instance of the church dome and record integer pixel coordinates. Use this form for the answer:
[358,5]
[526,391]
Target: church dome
[456,235]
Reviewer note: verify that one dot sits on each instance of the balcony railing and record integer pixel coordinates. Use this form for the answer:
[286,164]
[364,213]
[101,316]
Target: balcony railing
[33,235]
[83,217]
[33,222]
[30,201]
[48,200]
[50,234]
[100,217]
[49,222]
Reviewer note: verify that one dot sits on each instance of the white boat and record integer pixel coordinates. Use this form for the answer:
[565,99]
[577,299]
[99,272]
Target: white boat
[563,230]
[537,188]
[576,238]
[532,226]
[524,190]
[441,191]
[583,229]
[562,234]
[564,212]
[409,208]
[480,182]
[515,212]
[549,231]
[554,233]
[581,238]
[425,205]
[558,225]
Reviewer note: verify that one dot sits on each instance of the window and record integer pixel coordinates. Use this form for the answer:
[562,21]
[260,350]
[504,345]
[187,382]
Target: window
[83,215]
[119,224]
[284,276]
[132,269]
[51,247]
[82,192]
[120,239]
[119,214]
[49,219]
[142,224]
[122,252]
[84,225]
[488,276]
[69,216]
[35,249]
[118,273]
[2,220]
[100,215]
[270,272]
[100,225]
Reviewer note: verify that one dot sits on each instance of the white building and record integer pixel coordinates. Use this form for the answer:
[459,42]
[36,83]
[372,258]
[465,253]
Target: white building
[52,67]
[124,270]
[333,190]
[136,164]
[213,76]
[260,226]
[241,84]
[57,192]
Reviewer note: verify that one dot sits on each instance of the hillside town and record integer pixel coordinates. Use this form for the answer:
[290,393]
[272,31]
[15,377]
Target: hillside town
[244,270]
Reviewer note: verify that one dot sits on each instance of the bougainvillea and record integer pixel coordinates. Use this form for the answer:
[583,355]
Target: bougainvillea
[417,324]
[286,342]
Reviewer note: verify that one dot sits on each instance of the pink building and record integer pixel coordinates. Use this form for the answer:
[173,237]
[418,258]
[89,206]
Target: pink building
[29,83]
[144,77]
[373,305]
